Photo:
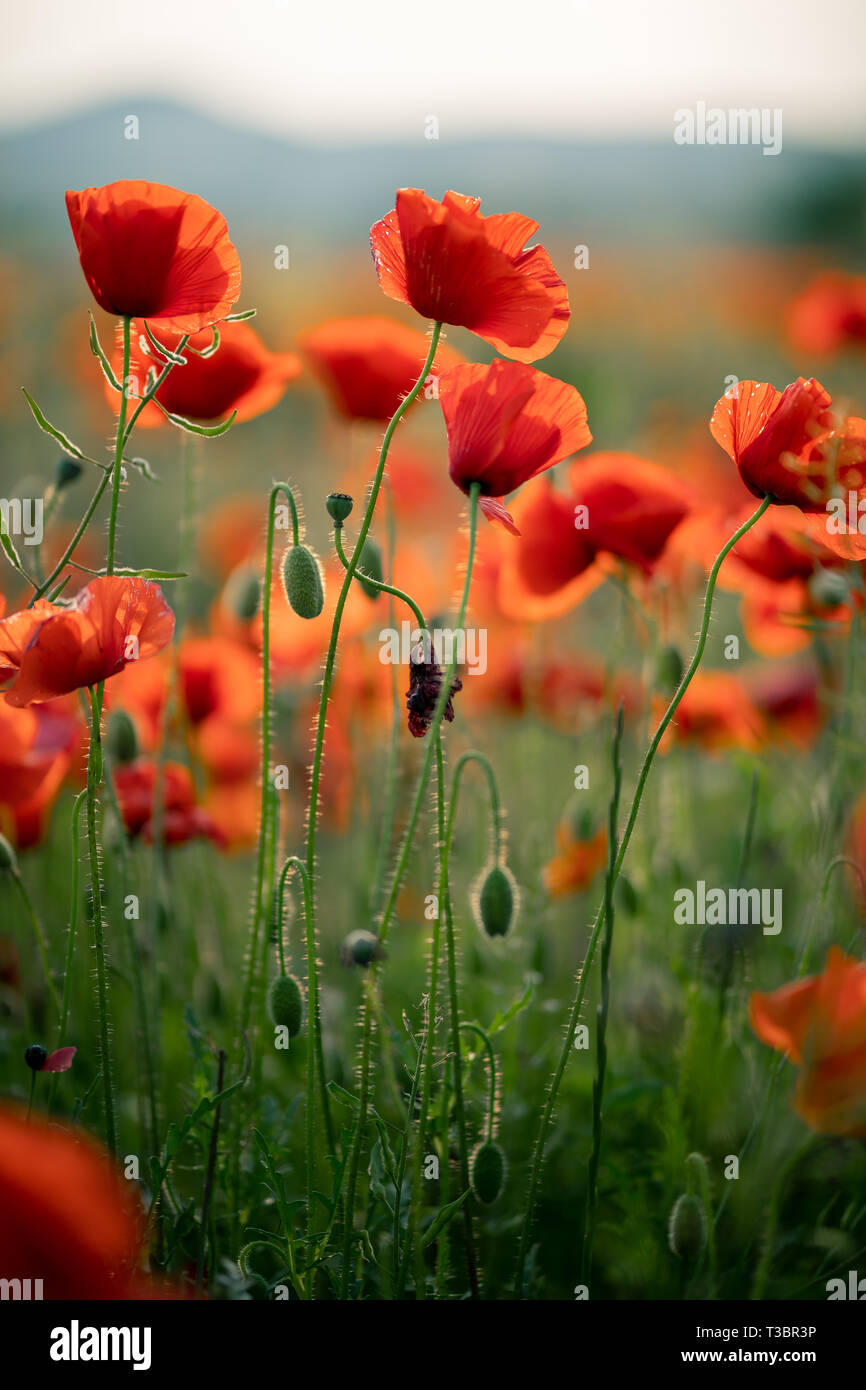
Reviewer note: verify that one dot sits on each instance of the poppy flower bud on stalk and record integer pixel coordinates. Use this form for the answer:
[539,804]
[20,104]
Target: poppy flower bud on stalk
[303,582]
[487,1173]
[66,471]
[121,739]
[339,505]
[286,1003]
[495,900]
[360,948]
[370,565]
[241,593]
[687,1227]
[36,1056]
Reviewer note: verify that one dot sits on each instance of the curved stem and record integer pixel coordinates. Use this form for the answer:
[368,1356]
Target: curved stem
[379,583]
[574,1016]
[491,1063]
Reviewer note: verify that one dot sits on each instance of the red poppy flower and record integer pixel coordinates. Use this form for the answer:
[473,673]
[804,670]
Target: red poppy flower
[454,265]
[632,506]
[219,677]
[789,699]
[49,650]
[552,569]
[830,314]
[241,375]
[67,1216]
[506,423]
[787,443]
[576,862]
[182,820]
[820,1023]
[36,748]
[368,364]
[149,251]
[715,713]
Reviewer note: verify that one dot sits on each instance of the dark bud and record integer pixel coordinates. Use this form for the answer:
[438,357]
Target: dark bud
[339,506]
[669,670]
[241,593]
[370,563]
[286,1002]
[687,1227]
[487,1172]
[425,682]
[121,739]
[360,948]
[66,472]
[36,1056]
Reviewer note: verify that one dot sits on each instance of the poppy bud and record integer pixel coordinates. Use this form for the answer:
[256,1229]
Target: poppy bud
[66,472]
[36,1056]
[121,738]
[286,1002]
[828,588]
[627,895]
[339,506]
[495,900]
[487,1173]
[8,857]
[360,948]
[302,581]
[370,563]
[241,593]
[669,670]
[687,1227]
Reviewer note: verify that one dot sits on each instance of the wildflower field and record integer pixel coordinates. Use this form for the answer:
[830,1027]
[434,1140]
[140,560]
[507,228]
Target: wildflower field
[433,845]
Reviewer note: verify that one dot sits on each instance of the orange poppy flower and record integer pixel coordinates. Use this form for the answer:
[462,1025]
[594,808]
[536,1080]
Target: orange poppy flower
[830,314]
[820,1023]
[715,713]
[576,862]
[219,677]
[632,506]
[49,650]
[787,443]
[149,251]
[36,748]
[241,375]
[67,1217]
[506,423]
[368,364]
[552,569]
[454,265]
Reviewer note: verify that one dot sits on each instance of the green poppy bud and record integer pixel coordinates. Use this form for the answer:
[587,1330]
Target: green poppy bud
[121,738]
[303,582]
[339,505]
[669,670]
[242,592]
[687,1227]
[487,1172]
[66,472]
[360,948]
[495,900]
[370,563]
[286,1002]
[36,1056]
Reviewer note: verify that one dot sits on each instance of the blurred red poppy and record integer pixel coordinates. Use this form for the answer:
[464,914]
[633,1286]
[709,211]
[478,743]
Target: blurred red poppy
[820,1023]
[830,314]
[219,677]
[788,443]
[241,375]
[152,252]
[631,505]
[67,1216]
[36,748]
[506,423]
[368,364]
[49,650]
[552,569]
[182,820]
[576,862]
[454,265]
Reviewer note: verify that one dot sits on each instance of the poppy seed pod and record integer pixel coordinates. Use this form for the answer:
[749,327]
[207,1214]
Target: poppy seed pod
[303,582]
[487,1172]
[495,900]
[286,1003]
[360,948]
[241,593]
[687,1227]
[339,505]
[66,471]
[370,564]
[8,857]
[121,738]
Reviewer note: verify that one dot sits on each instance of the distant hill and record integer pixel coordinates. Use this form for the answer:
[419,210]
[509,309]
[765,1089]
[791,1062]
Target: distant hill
[618,191]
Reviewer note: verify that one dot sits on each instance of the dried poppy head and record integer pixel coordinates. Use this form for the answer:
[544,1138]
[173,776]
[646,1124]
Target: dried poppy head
[425,683]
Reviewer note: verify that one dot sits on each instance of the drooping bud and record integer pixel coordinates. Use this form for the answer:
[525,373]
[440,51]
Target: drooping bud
[360,948]
[370,563]
[66,472]
[687,1227]
[487,1172]
[494,900]
[242,593]
[121,738]
[36,1056]
[303,581]
[669,670]
[286,1002]
[339,505]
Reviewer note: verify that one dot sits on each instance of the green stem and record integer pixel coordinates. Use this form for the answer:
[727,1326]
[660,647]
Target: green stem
[39,934]
[574,1016]
[118,449]
[94,778]
[773,1210]
[70,940]
[491,1065]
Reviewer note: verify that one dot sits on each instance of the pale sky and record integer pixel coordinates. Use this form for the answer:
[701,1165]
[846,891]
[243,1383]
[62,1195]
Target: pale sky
[350,71]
